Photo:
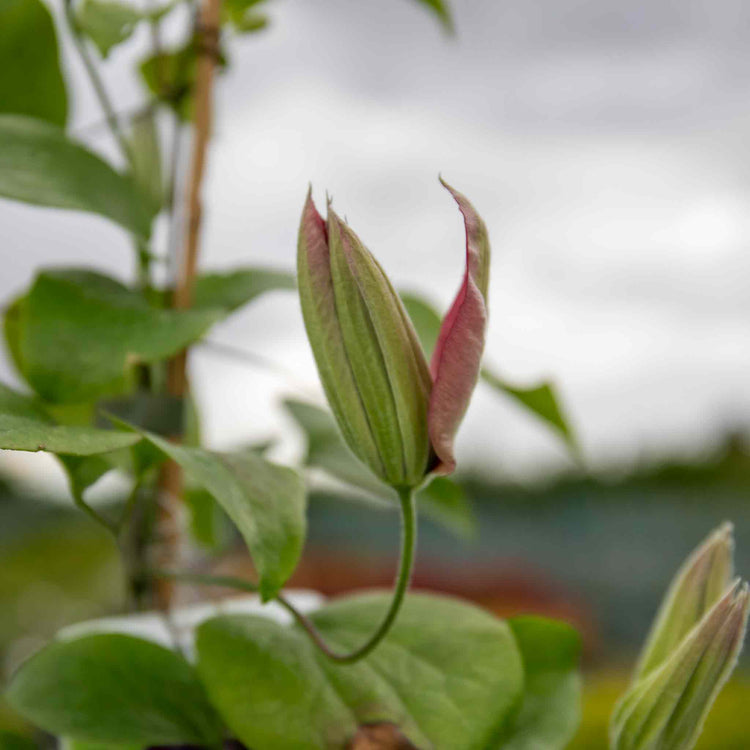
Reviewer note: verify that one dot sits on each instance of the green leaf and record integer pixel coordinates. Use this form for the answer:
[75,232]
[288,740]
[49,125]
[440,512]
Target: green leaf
[448,675]
[80,330]
[541,400]
[239,287]
[243,15]
[86,453]
[250,22]
[107,23]
[550,711]
[31,82]
[442,500]
[112,688]
[170,77]
[441,9]
[26,427]
[39,164]
[264,500]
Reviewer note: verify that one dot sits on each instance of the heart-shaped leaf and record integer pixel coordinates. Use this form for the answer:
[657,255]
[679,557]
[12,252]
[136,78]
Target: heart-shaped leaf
[31,82]
[77,330]
[447,677]
[264,500]
[112,688]
[39,164]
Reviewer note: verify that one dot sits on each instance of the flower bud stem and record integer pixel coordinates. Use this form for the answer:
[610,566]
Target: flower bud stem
[408,547]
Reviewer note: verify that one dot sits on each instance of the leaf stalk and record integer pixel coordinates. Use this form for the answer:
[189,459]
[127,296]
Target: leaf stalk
[401,586]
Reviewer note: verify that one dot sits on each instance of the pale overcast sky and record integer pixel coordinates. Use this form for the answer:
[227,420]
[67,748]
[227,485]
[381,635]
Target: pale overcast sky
[605,144]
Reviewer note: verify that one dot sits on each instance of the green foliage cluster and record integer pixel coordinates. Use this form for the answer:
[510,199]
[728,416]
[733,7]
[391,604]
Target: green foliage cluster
[448,676]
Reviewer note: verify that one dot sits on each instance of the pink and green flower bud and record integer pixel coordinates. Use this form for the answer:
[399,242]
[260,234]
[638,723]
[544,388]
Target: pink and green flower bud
[397,414]
[685,665]
[701,581]
[370,362]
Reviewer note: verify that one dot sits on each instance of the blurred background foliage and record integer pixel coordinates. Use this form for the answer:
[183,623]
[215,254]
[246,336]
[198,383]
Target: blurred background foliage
[596,550]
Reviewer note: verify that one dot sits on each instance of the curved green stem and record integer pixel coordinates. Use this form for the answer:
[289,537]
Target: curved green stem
[408,547]
[81,504]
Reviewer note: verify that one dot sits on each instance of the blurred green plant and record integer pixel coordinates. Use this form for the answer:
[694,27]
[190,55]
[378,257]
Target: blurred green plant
[689,655]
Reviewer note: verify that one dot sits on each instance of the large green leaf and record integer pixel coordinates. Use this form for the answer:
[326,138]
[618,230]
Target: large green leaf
[265,501]
[31,82]
[449,675]
[39,164]
[541,400]
[26,427]
[442,500]
[550,711]
[78,331]
[112,688]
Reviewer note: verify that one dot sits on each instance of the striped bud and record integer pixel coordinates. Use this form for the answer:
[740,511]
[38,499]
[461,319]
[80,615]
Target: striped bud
[397,414]
[370,362]
[701,581]
[689,656]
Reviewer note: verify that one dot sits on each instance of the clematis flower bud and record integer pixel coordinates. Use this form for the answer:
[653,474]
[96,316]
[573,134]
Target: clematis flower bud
[701,581]
[685,664]
[397,414]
